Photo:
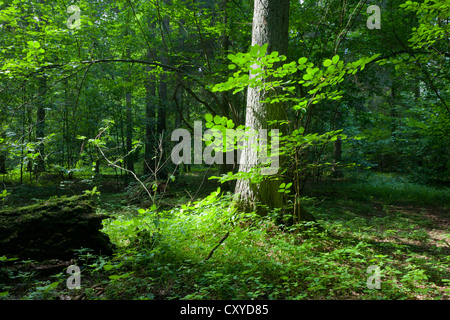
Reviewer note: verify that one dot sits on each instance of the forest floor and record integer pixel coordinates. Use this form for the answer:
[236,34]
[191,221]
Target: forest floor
[372,221]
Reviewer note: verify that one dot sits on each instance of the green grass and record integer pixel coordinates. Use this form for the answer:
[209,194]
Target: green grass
[378,220]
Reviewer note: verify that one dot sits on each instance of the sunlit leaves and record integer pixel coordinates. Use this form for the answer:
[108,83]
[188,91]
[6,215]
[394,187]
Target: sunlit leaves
[430,14]
[285,187]
[266,72]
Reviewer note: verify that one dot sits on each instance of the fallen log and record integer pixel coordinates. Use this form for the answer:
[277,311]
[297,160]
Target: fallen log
[53,229]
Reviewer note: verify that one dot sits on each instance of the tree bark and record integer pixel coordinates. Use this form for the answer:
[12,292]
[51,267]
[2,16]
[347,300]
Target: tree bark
[129,118]
[150,142]
[162,105]
[270,26]
[129,131]
[150,108]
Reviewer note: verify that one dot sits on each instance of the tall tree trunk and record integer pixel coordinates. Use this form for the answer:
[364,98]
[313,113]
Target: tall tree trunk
[3,156]
[150,99]
[40,126]
[337,152]
[24,123]
[67,145]
[150,108]
[270,26]
[129,131]
[417,91]
[337,156]
[161,125]
[163,104]
[3,164]
[129,117]
[40,113]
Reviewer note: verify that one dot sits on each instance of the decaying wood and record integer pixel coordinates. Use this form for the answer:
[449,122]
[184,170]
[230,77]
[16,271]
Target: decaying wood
[52,229]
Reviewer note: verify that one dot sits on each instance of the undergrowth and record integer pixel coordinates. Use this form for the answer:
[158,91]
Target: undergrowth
[163,253]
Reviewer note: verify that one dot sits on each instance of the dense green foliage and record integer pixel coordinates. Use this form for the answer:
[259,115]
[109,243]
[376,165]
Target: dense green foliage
[391,224]
[89,107]
[159,61]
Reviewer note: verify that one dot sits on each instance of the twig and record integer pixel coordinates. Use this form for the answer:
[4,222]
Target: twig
[201,184]
[220,242]
[113,164]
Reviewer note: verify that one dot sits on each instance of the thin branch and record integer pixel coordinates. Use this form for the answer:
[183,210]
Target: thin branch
[220,242]
[339,39]
[140,26]
[151,63]
[111,163]
[446,54]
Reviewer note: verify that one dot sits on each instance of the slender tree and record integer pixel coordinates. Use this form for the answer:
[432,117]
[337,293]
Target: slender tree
[40,126]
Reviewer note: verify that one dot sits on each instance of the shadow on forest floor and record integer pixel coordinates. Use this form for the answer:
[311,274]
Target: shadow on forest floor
[369,220]
[396,218]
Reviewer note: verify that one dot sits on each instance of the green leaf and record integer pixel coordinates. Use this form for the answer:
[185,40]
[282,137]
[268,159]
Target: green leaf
[263,50]
[53,285]
[4,258]
[33,44]
[254,50]
[217,119]
[335,59]
[108,267]
[208,117]
[302,60]
[327,63]
[231,56]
